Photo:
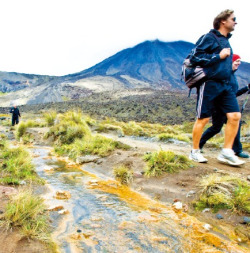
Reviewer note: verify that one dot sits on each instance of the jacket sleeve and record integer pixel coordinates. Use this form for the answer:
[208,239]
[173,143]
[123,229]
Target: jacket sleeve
[11,110]
[200,55]
[242,91]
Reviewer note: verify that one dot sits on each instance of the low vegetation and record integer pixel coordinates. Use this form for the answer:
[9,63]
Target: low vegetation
[16,165]
[145,129]
[165,161]
[72,136]
[224,192]
[27,212]
[50,117]
[123,174]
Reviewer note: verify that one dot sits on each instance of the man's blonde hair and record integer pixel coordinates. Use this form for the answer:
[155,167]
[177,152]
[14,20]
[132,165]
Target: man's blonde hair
[224,15]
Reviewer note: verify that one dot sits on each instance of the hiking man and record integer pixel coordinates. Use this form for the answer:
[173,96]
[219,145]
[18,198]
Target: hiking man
[218,58]
[219,118]
[15,115]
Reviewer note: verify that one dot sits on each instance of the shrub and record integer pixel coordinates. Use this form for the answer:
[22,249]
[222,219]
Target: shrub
[165,161]
[123,174]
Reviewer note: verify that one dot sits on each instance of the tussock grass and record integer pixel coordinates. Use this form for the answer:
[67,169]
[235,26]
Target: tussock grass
[27,212]
[165,161]
[50,117]
[224,192]
[168,136]
[107,127]
[123,174]
[73,137]
[21,128]
[133,128]
[90,145]
[68,129]
[16,165]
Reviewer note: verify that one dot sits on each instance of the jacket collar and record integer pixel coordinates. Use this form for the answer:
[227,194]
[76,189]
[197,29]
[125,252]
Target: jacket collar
[216,32]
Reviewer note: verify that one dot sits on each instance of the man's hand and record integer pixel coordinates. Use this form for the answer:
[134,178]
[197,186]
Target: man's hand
[224,53]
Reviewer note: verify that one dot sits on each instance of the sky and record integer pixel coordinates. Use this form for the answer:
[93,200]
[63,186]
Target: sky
[59,37]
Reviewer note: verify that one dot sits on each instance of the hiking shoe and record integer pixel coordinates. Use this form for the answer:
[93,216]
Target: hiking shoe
[229,158]
[242,155]
[195,155]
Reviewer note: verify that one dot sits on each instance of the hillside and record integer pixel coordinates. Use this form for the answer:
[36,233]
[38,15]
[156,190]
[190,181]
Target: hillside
[151,64]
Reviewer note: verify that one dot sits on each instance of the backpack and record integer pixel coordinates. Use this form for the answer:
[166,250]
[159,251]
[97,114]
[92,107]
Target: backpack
[193,75]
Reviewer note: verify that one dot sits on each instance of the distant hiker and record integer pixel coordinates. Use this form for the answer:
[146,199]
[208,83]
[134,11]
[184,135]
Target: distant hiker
[217,57]
[15,115]
[219,118]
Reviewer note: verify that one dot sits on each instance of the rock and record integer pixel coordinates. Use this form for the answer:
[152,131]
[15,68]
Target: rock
[207,226]
[206,210]
[63,211]
[219,216]
[87,159]
[62,195]
[246,220]
[137,174]
[185,207]
[248,178]
[22,182]
[78,230]
[95,225]
[1,212]
[215,169]
[55,208]
[190,193]
[177,205]
[6,190]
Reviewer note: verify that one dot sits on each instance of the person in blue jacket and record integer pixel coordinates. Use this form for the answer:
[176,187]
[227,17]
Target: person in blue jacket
[219,118]
[15,115]
[214,53]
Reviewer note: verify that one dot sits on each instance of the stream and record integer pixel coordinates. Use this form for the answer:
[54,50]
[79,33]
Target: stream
[106,217]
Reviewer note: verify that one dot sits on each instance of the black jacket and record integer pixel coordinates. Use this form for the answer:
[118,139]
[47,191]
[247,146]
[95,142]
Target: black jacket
[206,55]
[15,112]
[235,85]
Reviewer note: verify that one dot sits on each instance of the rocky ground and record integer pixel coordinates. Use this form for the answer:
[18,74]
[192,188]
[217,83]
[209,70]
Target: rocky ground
[153,106]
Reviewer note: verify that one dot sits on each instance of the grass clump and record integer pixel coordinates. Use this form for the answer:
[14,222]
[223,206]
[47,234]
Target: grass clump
[169,136]
[90,145]
[16,166]
[123,174]
[224,192]
[27,212]
[68,129]
[165,161]
[50,117]
[21,129]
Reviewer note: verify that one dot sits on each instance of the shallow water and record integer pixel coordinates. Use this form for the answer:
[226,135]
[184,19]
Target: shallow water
[106,217]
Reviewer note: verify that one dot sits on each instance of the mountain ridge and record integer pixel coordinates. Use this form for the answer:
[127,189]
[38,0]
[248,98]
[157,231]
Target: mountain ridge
[151,64]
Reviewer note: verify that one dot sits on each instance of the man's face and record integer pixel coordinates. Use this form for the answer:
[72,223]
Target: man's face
[230,23]
[236,64]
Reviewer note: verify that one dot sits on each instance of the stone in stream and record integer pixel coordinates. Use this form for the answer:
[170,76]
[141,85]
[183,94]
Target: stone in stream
[246,220]
[62,195]
[87,159]
[219,216]
[55,208]
[63,211]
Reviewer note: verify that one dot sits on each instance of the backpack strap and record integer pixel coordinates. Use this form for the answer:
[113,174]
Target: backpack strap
[216,38]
